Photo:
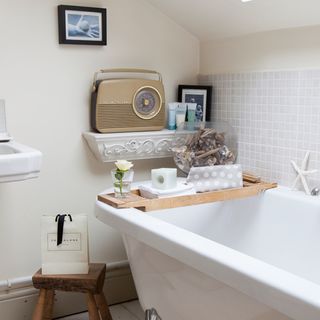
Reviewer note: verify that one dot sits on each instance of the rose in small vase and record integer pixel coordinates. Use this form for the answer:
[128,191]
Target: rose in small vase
[122,177]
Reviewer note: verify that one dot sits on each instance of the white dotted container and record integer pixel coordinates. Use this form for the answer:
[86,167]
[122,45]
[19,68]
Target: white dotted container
[216,177]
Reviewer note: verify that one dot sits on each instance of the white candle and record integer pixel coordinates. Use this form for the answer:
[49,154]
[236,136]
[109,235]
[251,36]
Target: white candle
[164,178]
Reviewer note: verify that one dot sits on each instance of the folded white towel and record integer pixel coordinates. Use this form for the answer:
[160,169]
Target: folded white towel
[182,188]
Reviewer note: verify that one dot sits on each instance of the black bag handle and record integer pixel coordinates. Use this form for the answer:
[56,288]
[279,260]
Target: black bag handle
[60,219]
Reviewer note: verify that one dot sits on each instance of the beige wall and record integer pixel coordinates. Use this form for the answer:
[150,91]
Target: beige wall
[284,49]
[46,87]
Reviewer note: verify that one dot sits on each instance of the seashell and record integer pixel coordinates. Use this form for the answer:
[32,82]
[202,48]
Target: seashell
[212,161]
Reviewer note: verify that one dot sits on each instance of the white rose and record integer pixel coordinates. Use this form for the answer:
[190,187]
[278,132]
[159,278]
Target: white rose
[123,165]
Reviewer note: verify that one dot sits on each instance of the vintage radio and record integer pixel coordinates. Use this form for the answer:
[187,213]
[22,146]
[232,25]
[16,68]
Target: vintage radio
[120,104]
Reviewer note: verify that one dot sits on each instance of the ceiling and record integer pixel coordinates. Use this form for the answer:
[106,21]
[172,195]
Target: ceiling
[218,19]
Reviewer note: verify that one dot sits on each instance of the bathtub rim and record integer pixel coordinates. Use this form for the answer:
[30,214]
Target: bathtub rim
[288,293]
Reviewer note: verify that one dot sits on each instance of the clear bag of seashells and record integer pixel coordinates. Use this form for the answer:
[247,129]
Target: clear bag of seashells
[204,144]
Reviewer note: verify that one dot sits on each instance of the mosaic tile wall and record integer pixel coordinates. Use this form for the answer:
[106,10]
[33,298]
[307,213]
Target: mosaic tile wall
[276,116]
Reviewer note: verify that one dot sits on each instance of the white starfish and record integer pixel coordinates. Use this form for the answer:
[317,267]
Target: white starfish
[302,173]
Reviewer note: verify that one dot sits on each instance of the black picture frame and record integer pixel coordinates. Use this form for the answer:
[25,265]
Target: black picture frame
[82,25]
[202,95]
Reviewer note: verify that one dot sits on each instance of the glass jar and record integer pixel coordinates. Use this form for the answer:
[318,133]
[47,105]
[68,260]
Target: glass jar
[204,144]
[122,182]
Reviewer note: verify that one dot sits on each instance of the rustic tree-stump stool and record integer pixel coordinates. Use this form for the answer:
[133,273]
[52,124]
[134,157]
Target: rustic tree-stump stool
[91,284]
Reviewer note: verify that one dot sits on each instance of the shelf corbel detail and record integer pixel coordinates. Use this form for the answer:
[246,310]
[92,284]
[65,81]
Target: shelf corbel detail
[131,146]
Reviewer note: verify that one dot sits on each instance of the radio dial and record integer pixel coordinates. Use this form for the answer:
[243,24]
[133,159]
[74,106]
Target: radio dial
[147,102]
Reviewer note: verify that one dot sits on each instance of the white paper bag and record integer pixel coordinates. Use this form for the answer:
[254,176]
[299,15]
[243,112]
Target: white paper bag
[71,256]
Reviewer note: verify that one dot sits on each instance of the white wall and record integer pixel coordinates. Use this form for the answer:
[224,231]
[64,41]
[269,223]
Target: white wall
[283,49]
[47,87]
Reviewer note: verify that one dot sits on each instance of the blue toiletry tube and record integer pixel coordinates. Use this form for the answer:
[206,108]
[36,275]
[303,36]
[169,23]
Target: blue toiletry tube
[172,116]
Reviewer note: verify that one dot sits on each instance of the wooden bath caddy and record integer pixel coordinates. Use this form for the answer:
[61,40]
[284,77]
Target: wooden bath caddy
[251,186]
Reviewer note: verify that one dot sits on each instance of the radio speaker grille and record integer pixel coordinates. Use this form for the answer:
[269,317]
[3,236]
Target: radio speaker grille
[113,117]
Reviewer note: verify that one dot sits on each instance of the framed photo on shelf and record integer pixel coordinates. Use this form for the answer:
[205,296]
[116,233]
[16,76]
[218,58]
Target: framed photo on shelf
[82,25]
[201,95]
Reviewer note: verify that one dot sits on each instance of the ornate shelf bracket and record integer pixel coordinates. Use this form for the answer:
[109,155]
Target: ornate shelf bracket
[108,147]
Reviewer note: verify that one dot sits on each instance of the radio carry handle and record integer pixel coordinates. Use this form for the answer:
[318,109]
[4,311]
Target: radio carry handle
[124,70]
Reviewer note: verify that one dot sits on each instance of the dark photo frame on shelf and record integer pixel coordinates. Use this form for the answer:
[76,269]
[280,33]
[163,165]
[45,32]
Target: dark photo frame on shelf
[201,95]
[82,25]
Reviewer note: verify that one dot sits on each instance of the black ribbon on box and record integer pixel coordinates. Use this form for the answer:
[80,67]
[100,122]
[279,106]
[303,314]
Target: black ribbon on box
[60,219]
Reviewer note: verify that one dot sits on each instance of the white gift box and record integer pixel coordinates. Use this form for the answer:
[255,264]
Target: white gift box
[216,177]
[71,256]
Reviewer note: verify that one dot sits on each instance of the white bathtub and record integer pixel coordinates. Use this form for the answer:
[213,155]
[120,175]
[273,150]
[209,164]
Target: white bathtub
[251,259]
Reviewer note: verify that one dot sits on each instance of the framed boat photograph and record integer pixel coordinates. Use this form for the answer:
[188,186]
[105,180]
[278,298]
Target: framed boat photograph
[82,25]
[201,95]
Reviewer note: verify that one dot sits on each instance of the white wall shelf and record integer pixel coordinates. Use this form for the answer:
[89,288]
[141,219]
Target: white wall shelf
[108,147]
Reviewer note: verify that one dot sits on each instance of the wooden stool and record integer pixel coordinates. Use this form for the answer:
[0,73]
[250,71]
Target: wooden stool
[91,284]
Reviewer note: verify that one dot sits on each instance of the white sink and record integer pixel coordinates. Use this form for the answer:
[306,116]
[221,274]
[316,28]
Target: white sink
[18,162]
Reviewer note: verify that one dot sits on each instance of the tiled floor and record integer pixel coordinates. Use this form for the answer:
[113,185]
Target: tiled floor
[125,311]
